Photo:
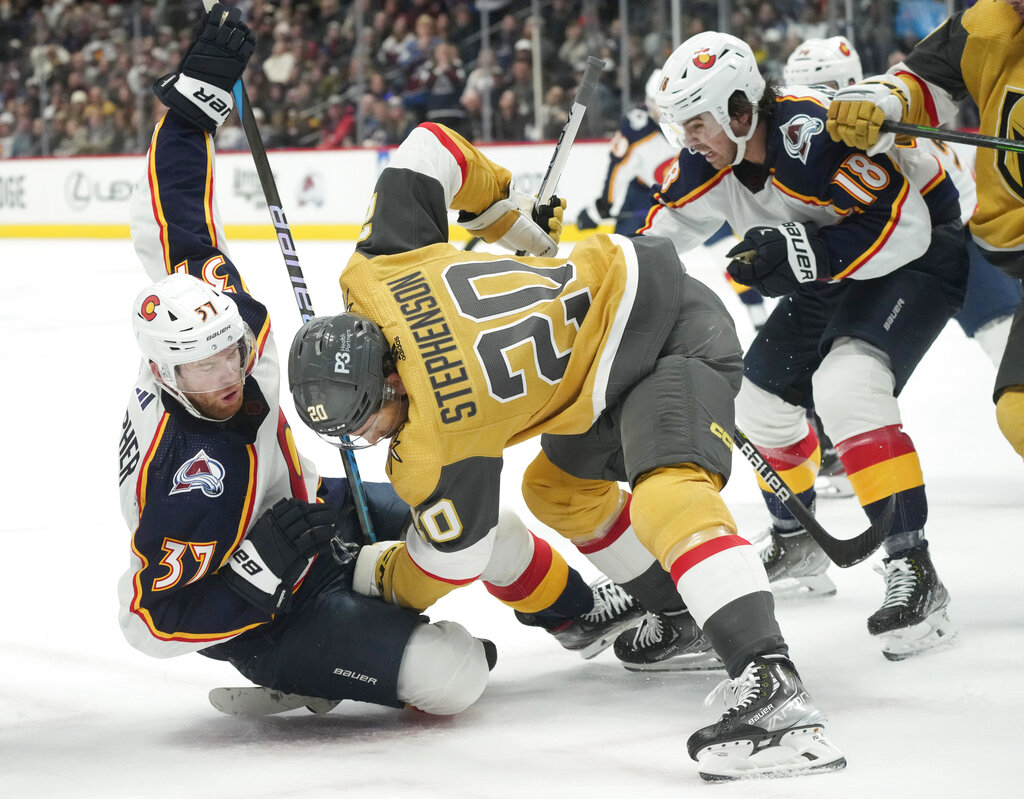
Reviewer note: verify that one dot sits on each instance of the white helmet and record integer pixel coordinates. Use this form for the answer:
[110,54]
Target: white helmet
[701,75]
[182,320]
[818,61]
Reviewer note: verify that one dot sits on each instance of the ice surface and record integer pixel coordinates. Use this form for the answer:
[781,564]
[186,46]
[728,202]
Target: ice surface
[84,715]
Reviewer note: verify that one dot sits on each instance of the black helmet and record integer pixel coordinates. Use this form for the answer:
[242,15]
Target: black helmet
[336,371]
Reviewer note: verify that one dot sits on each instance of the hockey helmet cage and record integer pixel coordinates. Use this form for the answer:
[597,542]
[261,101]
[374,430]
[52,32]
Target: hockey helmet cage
[821,61]
[702,75]
[337,367]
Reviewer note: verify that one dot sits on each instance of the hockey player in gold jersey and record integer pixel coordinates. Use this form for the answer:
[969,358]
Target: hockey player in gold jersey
[978,52]
[626,366]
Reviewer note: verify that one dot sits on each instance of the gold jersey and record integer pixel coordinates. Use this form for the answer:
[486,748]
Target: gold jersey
[493,349]
[979,52]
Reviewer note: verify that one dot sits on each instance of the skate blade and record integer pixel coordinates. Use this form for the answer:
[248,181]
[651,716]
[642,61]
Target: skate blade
[817,586]
[597,646]
[703,661]
[255,701]
[935,632]
[799,752]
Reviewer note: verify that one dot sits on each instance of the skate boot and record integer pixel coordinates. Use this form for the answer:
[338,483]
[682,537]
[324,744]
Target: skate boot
[832,482]
[772,727]
[590,634]
[796,565]
[666,642]
[914,616]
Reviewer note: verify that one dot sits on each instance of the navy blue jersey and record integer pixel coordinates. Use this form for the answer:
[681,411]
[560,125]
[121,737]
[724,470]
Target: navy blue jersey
[874,214]
[190,488]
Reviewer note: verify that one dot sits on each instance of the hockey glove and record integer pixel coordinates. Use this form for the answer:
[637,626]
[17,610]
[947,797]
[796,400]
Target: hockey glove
[856,114]
[514,223]
[200,89]
[775,260]
[277,549]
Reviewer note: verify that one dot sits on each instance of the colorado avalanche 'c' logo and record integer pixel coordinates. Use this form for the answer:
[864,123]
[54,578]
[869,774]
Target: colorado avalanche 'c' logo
[797,134]
[202,472]
[148,309]
[704,60]
[844,49]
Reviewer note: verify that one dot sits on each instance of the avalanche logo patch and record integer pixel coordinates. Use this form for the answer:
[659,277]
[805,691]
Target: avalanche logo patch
[199,472]
[1011,126]
[797,134]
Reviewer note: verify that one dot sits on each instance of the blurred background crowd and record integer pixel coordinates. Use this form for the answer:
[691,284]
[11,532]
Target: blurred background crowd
[75,77]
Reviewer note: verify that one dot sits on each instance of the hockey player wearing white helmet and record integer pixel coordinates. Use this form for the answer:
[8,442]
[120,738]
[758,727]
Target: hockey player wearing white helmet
[867,270]
[231,527]
[639,156]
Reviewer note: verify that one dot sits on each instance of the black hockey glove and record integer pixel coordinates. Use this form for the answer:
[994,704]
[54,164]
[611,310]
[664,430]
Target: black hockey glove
[200,89]
[775,260]
[276,550]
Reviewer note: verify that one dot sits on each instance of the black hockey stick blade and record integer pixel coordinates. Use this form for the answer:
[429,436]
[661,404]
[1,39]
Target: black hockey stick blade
[957,136]
[844,552]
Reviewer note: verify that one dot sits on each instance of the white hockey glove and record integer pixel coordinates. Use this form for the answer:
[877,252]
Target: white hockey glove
[856,113]
[513,223]
[200,89]
[374,571]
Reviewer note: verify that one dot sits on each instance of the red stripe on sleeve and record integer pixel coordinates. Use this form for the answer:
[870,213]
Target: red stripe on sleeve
[449,145]
[929,101]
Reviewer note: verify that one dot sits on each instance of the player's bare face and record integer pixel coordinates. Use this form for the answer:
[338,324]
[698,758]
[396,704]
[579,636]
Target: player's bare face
[214,385]
[705,136]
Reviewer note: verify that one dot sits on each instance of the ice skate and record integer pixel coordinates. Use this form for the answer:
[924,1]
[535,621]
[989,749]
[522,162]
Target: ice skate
[590,634]
[832,482]
[914,616]
[666,642]
[256,700]
[796,565]
[772,727]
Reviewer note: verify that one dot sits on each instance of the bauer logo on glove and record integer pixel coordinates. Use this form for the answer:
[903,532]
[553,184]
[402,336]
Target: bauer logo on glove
[775,260]
[200,89]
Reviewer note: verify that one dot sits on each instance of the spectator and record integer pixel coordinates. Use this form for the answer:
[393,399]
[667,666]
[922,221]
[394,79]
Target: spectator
[509,122]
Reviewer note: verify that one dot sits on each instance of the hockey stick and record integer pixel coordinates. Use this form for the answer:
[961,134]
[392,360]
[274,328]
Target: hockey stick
[291,261]
[588,83]
[957,136]
[844,552]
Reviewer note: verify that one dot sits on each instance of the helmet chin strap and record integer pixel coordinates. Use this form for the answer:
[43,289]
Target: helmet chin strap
[741,144]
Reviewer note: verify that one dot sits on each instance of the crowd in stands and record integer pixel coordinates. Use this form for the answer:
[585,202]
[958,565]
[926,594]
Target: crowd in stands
[75,77]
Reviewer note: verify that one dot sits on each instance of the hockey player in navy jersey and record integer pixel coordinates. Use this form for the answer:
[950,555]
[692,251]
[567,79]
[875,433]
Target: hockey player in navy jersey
[623,364]
[867,257]
[639,155]
[231,528]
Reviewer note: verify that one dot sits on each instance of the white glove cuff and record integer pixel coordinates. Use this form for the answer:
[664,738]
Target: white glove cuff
[211,100]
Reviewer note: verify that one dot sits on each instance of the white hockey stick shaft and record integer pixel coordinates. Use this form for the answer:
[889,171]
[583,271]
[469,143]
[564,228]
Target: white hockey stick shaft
[568,135]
